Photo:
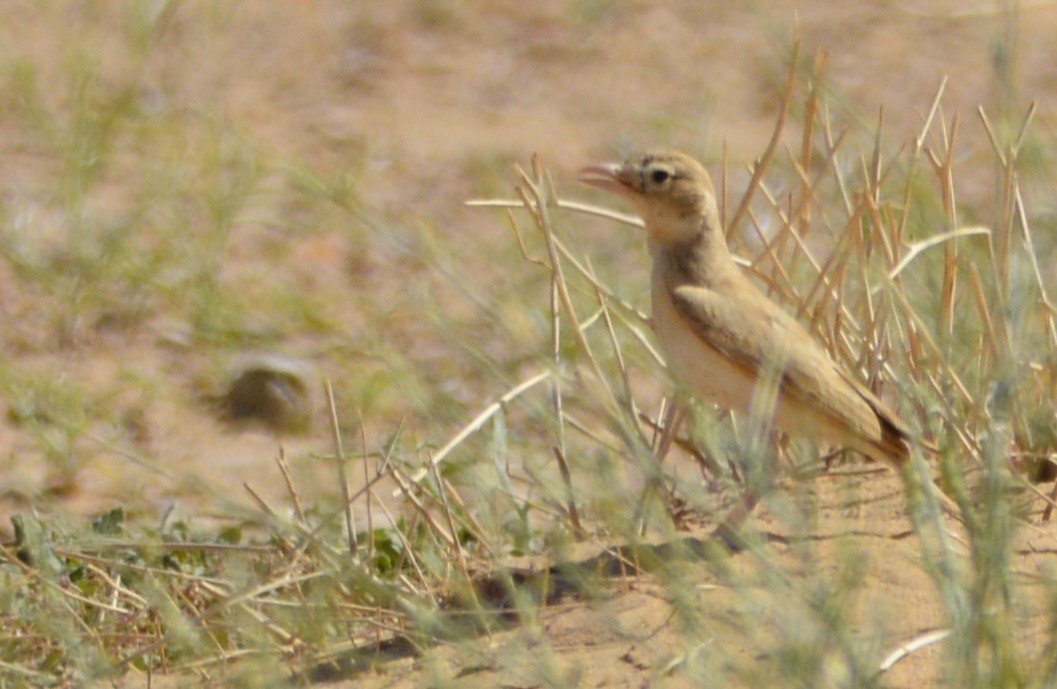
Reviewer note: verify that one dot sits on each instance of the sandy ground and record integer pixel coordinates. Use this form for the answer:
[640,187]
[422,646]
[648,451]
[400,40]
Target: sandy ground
[430,103]
[633,637]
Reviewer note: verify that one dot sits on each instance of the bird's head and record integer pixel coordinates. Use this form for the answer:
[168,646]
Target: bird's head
[671,191]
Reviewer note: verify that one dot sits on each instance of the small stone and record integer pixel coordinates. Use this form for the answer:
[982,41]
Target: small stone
[274,390]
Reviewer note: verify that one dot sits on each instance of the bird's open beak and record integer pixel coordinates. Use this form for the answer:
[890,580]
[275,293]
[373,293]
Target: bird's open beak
[612,177]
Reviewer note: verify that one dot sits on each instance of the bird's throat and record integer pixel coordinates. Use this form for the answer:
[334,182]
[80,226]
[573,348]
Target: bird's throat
[702,259]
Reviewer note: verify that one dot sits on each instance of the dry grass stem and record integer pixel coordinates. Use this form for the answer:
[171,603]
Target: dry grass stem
[917,248]
[762,164]
[564,204]
[343,476]
[475,425]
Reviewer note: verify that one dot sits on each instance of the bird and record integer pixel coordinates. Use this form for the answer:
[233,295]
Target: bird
[721,335]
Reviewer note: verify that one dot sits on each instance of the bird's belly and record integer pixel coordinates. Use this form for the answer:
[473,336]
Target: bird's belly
[697,366]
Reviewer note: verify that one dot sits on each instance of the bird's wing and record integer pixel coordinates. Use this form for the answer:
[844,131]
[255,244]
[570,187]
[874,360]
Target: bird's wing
[753,332]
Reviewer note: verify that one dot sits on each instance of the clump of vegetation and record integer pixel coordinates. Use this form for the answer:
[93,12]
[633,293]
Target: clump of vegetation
[949,316]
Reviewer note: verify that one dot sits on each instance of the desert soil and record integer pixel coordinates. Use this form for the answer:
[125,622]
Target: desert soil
[429,103]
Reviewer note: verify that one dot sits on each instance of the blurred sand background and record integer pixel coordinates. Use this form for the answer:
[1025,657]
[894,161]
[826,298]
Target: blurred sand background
[357,130]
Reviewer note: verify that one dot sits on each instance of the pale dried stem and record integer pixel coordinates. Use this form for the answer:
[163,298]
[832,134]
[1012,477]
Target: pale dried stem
[559,411]
[288,481]
[406,487]
[367,490]
[783,285]
[807,143]
[261,502]
[467,515]
[917,248]
[911,647]
[475,425]
[455,544]
[517,236]
[765,160]
[625,379]
[673,415]
[1029,245]
[578,207]
[873,171]
[343,477]
[915,320]
[408,551]
[570,495]
[533,194]
[945,172]
[832,144]
[588,433]
[927,124]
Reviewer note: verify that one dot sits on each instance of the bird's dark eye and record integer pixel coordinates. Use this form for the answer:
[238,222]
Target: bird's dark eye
[659,176]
